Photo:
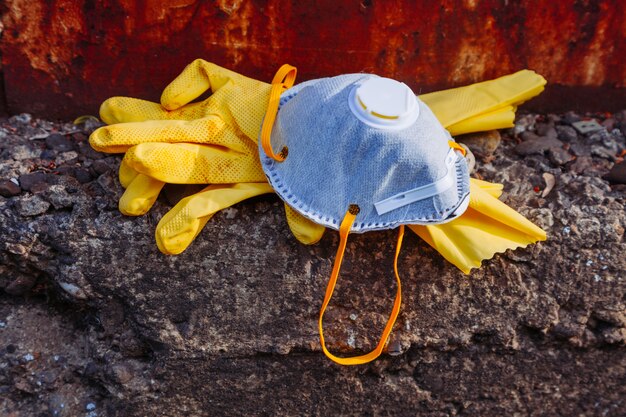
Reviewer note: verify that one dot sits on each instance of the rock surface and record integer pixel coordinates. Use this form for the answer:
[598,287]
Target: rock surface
[229,327]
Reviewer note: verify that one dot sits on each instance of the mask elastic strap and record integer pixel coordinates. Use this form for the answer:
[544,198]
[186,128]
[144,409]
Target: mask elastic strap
[456,146]
[284,79]
[344,230]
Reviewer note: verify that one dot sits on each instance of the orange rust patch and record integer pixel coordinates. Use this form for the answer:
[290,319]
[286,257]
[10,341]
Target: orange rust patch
[63,57]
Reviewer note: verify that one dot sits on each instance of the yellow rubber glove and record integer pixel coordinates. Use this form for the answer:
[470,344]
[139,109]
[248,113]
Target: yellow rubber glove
[487,227]
[484,106]
[208,142]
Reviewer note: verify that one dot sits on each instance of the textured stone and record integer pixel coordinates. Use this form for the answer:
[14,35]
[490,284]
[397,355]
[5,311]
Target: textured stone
[32,206]
[229,327]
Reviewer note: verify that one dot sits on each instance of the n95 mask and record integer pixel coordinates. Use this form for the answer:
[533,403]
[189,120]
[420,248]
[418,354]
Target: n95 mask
[364,141]
[357,153]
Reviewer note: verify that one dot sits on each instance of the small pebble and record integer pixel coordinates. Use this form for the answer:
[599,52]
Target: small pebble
[73,290]
[79,137]
[529,136]
[587,126]
[566,133]
[597,278]
[617,174]
[9,189]
[582,164]
[59,197]
[545,129]
[567,230]
[394,348]
[230,213]
[100,167]
[122,373]
[82,175]
[58,142]
[66,170]
[85,149]
[351,341]
[589,262]
[609,123]
[537,146]
[603,152]
[15,248]
[559,156]
[21,285]
[580,149]
[483,144]
[570,117]
[23,118]
[48,154]
[32,206]
[28,181]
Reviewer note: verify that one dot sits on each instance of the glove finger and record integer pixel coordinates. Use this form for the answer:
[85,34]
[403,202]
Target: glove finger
[483,202]
[502,118]
[492,188]
[126,174]
[128,110]
[303,229]
[140,195]
[195,79]
[179,227]
[212,130]
[188,163]
[457,104]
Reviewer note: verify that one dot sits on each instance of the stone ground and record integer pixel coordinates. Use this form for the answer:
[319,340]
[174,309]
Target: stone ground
[95,321]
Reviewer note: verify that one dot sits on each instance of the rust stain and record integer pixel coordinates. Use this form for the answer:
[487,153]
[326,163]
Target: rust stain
[63,57]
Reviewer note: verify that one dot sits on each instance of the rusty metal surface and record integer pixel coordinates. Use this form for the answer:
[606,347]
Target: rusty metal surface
[61,58]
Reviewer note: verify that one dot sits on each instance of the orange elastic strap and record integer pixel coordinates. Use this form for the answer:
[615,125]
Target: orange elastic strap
[284,79]
[344,230]
[455,145]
